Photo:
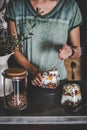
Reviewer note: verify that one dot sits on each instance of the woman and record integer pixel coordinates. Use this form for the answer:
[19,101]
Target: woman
[55,22]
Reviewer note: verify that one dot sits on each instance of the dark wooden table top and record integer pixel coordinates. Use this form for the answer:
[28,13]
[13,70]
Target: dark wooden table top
[44,107]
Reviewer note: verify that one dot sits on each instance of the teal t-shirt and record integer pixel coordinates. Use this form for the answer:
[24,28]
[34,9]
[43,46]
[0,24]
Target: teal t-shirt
[49,33]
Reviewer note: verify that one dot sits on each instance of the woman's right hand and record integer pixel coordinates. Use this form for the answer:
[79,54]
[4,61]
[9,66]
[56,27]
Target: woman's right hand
[37,80]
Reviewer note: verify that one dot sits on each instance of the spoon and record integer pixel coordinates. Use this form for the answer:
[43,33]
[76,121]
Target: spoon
[78,108]
[73,66]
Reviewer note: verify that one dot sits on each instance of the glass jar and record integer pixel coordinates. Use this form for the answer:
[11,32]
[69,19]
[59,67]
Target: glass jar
[17,97]
[50,79]
[71,95]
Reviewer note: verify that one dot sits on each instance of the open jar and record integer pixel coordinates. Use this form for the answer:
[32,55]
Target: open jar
[50,79]
[17,97]
[71,95]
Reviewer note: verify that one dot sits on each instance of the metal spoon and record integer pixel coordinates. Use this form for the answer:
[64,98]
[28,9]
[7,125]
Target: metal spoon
[78,108]
[73,66]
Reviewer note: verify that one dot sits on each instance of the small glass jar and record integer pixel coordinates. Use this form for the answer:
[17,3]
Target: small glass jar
[17,97]
[71,95]
[50,79]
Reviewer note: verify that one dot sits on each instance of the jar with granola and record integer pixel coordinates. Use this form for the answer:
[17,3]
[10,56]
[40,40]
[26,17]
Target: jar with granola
[17,98]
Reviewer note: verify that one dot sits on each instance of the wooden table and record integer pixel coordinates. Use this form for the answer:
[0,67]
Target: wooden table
[44,107]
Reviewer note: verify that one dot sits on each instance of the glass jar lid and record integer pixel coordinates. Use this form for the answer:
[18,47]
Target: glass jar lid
[15,73]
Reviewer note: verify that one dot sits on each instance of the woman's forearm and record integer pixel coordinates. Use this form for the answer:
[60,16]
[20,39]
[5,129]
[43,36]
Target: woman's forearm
[76,52]
[21,60]
[75,42]
[19,57]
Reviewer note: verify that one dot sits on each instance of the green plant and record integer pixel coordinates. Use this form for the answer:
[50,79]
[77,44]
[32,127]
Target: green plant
[7,42]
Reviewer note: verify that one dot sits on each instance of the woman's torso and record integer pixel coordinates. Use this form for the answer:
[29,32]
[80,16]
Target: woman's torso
[49,34]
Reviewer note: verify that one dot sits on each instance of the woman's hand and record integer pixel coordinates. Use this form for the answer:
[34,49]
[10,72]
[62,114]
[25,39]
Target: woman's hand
[37,81]
[65,52]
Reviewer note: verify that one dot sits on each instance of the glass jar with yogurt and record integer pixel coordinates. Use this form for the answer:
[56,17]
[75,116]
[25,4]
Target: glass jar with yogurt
[71,95]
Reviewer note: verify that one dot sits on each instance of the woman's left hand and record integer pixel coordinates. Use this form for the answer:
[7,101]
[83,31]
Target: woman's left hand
[65,52]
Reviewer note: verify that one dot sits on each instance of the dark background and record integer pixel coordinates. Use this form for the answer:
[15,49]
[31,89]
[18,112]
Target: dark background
[83,7]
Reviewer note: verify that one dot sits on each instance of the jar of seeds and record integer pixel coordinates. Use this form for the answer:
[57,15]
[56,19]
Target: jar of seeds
[17,97]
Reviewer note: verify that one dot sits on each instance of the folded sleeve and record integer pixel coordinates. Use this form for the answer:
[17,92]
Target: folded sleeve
[76,18]
[9,12]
